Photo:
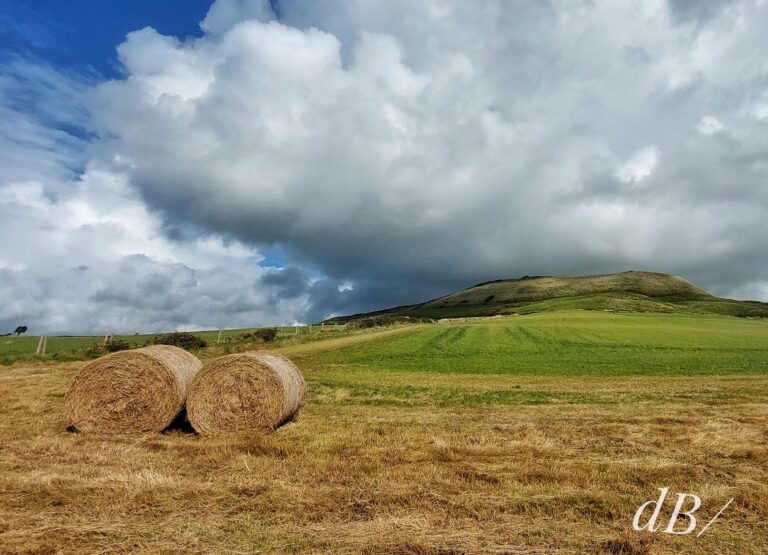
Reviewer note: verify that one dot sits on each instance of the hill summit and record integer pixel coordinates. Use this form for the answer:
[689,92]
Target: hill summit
[626,291]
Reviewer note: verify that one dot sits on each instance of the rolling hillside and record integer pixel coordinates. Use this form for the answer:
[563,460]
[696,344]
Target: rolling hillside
[625,291]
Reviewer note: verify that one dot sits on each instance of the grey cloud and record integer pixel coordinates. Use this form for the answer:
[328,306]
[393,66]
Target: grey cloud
[636,55]
[697,11]
[139,294]
[290,281]
[408,144]
[85,255]
[393,151]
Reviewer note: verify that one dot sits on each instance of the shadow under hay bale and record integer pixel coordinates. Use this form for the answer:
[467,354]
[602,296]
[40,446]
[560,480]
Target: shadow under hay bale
[252,392]
[141,390]
[180,424]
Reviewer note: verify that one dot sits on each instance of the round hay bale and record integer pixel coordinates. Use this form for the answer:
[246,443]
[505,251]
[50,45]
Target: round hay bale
[245,393]
[141,390]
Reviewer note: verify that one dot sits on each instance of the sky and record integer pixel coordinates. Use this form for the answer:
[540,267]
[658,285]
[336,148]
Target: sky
[189,164]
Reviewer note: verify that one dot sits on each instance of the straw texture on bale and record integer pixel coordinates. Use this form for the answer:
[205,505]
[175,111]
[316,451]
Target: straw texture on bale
[245,393]
[140,390]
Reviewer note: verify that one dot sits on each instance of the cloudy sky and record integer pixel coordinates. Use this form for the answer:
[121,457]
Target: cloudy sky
[187,165]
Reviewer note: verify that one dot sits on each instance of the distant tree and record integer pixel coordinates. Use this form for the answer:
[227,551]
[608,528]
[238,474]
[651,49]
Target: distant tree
[265,334]
[386,320]
[180,339]
[95,350]
[20,330]
[117,345]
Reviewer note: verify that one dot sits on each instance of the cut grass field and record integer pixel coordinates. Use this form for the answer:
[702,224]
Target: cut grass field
[528,434]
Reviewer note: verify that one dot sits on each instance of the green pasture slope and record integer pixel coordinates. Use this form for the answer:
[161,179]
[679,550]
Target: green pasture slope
[444,363]
[573,343]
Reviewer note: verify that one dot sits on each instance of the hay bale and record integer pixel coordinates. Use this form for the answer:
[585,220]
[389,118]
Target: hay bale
[247,392]
[141,390]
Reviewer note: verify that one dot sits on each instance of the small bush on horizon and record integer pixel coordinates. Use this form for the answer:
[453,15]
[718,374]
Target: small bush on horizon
[95,350]
[265,334]
[117,345]
[387,320]
[184,340]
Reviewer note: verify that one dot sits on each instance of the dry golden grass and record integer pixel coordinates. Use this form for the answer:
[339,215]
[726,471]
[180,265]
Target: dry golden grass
[353,478]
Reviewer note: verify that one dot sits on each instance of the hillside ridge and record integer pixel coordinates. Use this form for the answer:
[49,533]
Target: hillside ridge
[630,291]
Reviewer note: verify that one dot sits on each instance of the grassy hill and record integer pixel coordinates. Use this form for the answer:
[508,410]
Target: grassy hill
[622,292]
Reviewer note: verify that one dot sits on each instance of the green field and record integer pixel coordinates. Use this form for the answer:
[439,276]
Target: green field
[13,349]
[439,363]
[570,344]
[557,344]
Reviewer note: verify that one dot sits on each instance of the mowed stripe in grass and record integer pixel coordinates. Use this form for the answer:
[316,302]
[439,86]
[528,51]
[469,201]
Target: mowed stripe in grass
[566,358]
[569,344]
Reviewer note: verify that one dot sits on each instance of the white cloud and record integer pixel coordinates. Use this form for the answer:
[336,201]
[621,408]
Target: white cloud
[95,260]
[709,125]
[224,14]
[640,165]
[36,104]
[84,254]
[760,110]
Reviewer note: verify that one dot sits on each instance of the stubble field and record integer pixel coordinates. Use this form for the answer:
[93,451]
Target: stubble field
[530,434]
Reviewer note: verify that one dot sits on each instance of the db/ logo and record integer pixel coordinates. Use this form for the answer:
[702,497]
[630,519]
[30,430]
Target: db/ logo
[651,526]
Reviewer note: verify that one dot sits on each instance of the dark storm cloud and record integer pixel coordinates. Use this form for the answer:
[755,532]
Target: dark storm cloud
[290,282]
